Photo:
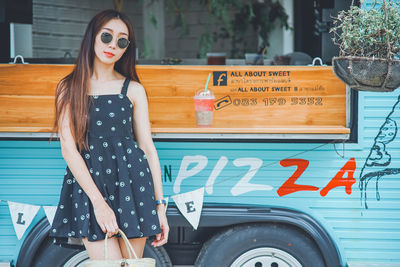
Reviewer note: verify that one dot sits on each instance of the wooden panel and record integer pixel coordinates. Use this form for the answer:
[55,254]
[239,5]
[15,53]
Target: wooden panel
[29,79]
[180,112]
[19,111]
[319,98]
[266,99]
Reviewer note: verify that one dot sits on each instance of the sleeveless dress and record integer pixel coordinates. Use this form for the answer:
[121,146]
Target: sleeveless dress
[120,171]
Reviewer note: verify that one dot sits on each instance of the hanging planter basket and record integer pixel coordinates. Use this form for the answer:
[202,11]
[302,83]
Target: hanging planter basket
[368,74]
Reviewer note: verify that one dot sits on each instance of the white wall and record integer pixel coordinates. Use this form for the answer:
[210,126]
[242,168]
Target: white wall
[281,40]
[20,40]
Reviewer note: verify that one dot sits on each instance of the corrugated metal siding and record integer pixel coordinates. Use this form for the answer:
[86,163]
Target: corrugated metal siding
[58,26]
[367,235]
[30,172]
[376,230]
[374,235]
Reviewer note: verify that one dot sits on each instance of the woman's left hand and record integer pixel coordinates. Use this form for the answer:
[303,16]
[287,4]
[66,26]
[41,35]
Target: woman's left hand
[162,237]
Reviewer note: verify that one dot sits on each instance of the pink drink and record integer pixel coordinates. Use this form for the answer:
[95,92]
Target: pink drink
[204,106]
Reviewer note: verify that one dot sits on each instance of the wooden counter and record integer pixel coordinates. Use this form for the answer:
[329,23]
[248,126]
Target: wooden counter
[259,101]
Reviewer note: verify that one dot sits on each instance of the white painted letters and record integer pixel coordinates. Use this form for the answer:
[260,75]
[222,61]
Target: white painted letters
[185,173]
[243,186]
[214,174]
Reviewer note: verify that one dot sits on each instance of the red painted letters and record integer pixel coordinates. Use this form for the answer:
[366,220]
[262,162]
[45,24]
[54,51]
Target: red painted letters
[289,186]
[338,180]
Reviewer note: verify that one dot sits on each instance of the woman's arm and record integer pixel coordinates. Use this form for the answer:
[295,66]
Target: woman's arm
[104,214]
[142,129]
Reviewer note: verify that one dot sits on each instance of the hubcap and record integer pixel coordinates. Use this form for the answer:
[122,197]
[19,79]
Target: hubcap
[78,260]
[266,257]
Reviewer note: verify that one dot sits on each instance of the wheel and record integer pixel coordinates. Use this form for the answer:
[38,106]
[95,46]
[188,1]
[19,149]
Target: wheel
[53,255]
[260,245]
[50,254]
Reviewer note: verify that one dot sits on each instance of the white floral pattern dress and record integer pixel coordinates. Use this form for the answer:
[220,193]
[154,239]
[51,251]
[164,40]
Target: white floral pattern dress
[119,169]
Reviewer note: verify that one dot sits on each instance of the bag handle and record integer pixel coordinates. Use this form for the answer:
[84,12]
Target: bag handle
[127,244]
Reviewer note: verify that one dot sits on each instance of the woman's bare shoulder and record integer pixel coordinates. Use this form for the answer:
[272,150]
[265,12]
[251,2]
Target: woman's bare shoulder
[134,85]
[135,88]
[136,91]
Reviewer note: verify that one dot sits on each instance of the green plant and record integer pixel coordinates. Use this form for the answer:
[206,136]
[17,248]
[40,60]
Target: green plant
[372,32]
[262,16]
[235,17]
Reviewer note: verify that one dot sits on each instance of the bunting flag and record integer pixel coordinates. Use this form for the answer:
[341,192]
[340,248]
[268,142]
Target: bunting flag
[50,212]
[22,216]
[190,205]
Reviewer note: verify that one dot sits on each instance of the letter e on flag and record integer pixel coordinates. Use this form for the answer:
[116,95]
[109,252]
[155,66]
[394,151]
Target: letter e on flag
[190,205]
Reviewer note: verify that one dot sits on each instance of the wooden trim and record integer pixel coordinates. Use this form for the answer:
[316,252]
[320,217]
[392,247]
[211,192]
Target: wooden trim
[269,130]
[302,130]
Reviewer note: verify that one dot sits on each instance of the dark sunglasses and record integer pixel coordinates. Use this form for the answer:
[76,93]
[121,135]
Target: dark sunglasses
[107,38]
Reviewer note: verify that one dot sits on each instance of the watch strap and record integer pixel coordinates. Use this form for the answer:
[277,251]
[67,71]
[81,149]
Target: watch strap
[161,201]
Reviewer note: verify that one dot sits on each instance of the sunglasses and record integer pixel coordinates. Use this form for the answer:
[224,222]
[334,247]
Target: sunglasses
[107,38]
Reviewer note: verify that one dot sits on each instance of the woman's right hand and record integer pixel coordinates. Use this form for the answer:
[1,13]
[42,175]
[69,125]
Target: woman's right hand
[106,218]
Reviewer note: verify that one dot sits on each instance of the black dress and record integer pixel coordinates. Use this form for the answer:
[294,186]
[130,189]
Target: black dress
[120,171]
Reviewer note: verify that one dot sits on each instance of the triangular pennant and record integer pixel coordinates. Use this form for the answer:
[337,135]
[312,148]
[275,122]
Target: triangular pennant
[22,216]
[190,205]
[50,212]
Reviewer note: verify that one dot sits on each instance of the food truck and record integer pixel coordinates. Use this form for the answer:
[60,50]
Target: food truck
[296,169]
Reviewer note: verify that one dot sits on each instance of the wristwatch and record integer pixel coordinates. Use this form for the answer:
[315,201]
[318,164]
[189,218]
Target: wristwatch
[161,201]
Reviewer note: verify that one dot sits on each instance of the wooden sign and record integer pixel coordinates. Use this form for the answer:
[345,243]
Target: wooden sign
[262,99]
[248,99]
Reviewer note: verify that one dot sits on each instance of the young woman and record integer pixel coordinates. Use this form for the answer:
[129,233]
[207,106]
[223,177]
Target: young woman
[113,177]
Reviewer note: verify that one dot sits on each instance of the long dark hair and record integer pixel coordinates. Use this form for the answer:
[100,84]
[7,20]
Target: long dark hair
[72,90]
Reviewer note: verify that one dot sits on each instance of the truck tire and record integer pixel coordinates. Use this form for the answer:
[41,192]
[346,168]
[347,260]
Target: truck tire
[53,255]
[260,245]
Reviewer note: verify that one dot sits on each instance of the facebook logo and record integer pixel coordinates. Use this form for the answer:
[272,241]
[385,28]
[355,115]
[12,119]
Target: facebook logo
[220,78]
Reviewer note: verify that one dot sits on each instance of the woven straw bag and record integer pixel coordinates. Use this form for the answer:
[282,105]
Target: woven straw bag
[143,262]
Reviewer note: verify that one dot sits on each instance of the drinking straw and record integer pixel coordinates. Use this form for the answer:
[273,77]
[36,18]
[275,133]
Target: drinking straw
[208,79]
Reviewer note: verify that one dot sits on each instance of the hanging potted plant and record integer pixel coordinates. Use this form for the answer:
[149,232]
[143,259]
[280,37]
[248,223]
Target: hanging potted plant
[369,42]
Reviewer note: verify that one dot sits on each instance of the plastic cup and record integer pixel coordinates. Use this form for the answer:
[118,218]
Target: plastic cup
[204,106]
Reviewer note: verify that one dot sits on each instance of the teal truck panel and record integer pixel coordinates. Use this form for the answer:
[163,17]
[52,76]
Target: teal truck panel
[327,181]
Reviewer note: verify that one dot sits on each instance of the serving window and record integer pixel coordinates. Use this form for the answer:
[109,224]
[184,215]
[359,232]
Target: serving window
[251,102]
